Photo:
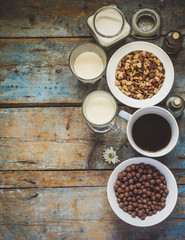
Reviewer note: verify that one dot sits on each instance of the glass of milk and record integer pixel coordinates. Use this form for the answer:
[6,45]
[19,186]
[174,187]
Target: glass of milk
[88,62]
[99,109]
[108,21]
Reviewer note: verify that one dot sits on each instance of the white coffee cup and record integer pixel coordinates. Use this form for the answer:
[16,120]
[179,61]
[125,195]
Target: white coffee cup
[152,110]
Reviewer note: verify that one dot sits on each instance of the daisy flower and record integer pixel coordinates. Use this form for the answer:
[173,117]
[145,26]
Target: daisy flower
[110,156]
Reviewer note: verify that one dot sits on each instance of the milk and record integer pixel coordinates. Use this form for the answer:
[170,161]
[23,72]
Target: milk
[88,65]
[99,108]
[109,22]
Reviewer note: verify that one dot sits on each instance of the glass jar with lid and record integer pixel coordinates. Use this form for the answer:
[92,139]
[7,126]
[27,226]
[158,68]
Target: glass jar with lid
[108,25]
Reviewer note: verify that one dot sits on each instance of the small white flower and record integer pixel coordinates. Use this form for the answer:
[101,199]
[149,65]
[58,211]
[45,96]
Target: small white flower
[110,156]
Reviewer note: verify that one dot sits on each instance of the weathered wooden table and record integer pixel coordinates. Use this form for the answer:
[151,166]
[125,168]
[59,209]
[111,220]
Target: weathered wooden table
[53,176]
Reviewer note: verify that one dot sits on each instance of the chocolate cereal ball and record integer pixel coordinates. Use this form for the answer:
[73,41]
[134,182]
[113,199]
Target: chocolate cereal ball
[141,190]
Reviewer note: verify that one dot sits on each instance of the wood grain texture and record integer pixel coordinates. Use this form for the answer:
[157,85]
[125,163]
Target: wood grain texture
[58,138]
[47,179]
[66,18]
[69,143]
[52,173]
[37,71]
[75,213]
[92,230]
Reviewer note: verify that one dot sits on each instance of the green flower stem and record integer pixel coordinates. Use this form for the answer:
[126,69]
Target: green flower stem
[124,144]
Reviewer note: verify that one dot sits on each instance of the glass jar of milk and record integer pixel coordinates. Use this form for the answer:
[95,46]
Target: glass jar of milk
[88,62]
[108,25]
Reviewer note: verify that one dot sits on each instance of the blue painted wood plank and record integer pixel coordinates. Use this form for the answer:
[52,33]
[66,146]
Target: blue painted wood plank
[37,71]
[76,213]
[52,18]
[68,178]
[59,138]
[105,230]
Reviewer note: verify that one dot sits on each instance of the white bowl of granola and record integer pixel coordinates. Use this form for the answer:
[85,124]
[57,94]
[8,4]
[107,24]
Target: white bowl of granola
[140,74]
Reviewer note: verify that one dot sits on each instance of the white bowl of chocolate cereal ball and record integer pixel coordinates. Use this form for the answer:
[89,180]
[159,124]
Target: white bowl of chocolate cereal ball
[140,74]
[142,191]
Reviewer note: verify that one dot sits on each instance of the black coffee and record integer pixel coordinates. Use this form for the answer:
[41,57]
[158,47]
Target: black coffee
[151,132]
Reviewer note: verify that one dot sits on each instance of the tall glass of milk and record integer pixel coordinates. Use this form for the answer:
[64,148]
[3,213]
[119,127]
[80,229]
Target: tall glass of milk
[100,111]
[88,62]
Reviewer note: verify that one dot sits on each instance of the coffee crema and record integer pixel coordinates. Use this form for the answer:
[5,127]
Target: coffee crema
[151,132]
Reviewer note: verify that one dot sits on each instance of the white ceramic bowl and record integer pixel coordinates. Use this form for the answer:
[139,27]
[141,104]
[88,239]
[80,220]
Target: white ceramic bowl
[134,46]
[149,220]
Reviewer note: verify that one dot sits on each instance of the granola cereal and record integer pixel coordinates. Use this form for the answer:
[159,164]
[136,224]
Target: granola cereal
[140,75]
